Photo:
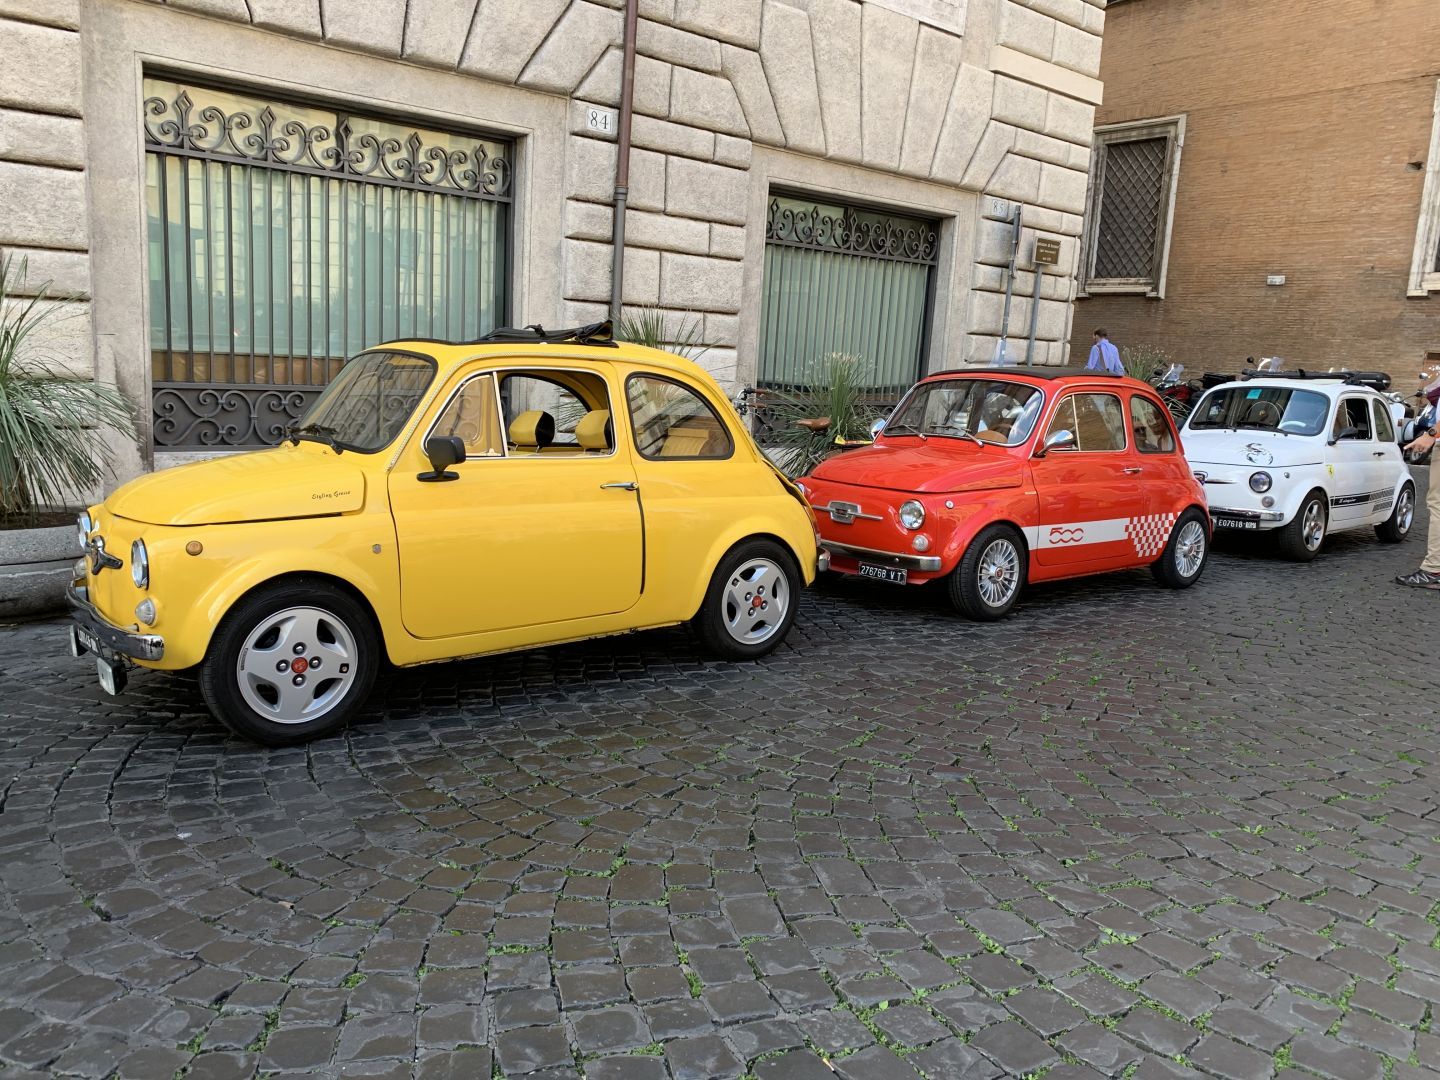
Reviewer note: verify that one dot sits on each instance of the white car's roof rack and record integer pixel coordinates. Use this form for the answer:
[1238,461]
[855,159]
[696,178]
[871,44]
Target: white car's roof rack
[1375,380]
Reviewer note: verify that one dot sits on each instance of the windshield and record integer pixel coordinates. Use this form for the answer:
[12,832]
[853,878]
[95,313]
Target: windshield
[986,409]
[369,401]
[1262,408]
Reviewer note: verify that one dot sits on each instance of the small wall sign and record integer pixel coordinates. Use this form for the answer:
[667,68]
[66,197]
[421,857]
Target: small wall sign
[601,120]
[1047,251]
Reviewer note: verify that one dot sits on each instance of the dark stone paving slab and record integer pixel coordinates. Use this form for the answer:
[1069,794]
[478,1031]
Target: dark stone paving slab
[1126,833]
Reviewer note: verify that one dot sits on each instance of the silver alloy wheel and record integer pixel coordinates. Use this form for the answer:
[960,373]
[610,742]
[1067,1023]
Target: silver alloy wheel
[1190,549]
[1405,511]
[755,602]
[309,639]
[1312,526]
[998,574]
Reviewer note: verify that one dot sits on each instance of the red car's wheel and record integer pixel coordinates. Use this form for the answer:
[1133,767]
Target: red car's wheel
[986,583]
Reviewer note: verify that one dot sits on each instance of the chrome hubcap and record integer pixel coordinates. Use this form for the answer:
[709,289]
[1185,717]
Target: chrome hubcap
[1190,549]
[1312,526]
[296,665]
[999,572]
[756,600]
[1405,512]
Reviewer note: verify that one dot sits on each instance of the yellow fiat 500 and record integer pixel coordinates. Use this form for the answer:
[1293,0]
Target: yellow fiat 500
[446,500]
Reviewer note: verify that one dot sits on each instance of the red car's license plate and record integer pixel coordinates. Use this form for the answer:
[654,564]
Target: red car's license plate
[884,573]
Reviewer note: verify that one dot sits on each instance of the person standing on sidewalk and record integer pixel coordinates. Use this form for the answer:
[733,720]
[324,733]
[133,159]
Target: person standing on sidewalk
[1104,356]
[1428,576]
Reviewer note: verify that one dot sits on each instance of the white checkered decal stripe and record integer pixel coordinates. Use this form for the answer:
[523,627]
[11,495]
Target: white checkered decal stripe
[1150,533]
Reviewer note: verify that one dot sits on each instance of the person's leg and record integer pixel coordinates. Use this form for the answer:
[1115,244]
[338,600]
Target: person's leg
[1428,576]
[1432,529]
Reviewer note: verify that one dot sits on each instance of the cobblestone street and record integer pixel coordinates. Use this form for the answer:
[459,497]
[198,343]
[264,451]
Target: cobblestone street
[1128,832]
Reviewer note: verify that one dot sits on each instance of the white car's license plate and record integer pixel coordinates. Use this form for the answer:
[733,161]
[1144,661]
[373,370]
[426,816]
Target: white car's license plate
[884,573]
[1235,523]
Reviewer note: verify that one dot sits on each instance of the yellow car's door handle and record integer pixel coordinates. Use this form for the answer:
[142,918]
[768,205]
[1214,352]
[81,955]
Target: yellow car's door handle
[623,485]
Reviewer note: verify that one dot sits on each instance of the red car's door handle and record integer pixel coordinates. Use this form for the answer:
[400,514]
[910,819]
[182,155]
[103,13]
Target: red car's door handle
[1133,469]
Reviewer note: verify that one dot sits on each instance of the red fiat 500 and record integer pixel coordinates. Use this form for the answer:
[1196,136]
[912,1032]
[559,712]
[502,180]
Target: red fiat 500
[990,478]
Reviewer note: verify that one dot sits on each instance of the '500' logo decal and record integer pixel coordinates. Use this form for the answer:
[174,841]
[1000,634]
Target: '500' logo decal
[1062,535]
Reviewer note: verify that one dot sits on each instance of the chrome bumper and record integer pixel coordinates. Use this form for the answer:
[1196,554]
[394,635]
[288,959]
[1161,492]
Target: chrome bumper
[822,560]
[136,646]
[926,563]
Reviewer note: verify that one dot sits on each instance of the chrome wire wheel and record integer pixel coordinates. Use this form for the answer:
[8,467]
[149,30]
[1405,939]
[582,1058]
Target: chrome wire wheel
[1190,549]
[998,574]
[1312,525]
[296,665]
[1405,510]
[756,598]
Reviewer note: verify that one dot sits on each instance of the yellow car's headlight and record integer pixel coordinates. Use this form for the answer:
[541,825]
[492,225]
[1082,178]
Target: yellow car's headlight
[139,565]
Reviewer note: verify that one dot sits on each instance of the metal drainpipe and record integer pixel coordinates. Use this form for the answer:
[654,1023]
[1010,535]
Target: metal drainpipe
[622,164]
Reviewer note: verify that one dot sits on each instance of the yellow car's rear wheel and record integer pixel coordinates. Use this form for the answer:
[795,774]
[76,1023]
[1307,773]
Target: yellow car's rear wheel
[290,663]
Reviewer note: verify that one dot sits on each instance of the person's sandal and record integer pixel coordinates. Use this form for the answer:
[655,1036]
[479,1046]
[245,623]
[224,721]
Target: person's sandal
[1420,579]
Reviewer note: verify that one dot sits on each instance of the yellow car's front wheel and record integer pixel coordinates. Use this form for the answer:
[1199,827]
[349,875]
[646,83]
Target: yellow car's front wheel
[290,663]
[751,603]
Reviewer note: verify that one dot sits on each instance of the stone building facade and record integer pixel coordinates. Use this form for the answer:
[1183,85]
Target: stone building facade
[1300,213]
[139,142]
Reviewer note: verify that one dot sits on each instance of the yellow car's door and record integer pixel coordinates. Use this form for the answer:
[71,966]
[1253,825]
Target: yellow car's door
[541,524]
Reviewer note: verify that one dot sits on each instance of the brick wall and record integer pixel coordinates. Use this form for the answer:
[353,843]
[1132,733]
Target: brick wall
[1304,124]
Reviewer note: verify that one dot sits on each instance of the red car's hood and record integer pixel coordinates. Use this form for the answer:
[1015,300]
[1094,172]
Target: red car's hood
[929,467]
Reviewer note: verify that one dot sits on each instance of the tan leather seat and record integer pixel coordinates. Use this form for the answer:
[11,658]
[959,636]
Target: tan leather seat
[593,432]
[531,432]
[683,442]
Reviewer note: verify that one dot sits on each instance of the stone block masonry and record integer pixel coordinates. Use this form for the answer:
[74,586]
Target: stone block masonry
[891,103]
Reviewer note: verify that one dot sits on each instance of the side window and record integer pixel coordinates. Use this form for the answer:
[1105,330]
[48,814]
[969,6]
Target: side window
[1384,429]
[1063,420]
[672,421]
[556,414]
[474,415]
[1352,413]
[1151,427]
[1098,421]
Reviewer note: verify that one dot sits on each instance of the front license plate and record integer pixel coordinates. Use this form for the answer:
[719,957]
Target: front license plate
[1235,523]
[884,573]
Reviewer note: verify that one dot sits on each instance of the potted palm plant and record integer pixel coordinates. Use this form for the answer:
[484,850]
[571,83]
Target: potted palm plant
[54,449]
[826,413]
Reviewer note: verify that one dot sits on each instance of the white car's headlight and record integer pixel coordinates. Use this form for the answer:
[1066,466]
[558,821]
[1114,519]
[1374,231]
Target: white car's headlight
[84,526]
[1260,482]
[912,514]
[139,565]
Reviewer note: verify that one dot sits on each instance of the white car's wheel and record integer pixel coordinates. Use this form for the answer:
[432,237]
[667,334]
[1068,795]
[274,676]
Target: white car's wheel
[1303,535]
[1397,526]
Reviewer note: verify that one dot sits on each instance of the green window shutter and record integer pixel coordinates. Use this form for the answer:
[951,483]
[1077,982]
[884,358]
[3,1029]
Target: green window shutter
[849,280]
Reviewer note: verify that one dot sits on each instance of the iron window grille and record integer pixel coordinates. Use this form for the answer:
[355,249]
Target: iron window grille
[841,278]
[285,237]
[1133,175]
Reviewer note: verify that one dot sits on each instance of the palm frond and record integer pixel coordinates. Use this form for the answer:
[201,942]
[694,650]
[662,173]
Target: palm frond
[650,326]
[53,425]
[833,389]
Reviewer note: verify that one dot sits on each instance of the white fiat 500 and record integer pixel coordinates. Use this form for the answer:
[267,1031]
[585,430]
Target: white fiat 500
[1306,455]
